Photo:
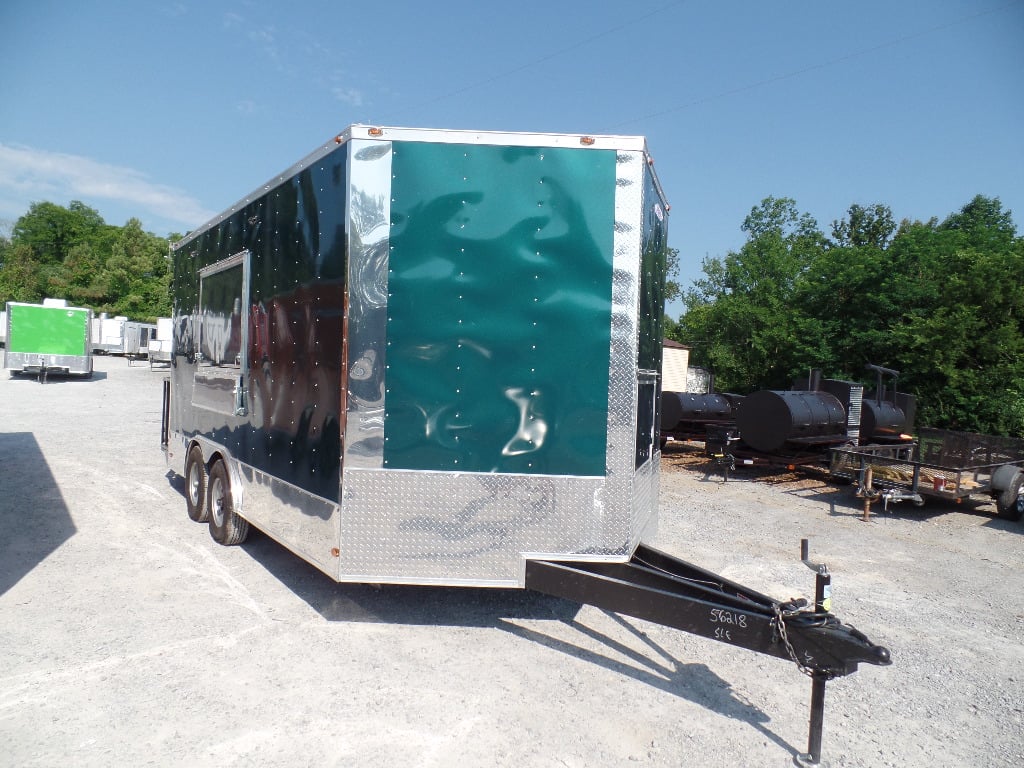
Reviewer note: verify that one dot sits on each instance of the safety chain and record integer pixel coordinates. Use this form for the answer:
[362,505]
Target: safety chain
[780,625]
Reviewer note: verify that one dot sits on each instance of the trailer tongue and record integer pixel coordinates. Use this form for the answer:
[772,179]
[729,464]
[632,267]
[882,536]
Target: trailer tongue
[658,587]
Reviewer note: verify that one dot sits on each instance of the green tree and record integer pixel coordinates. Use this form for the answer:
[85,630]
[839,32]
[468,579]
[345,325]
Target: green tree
[865,227]
[136,275]
[740,319]
[942,302]
[960,331]
[839,290]
[21,276]
[51,230]
[71,253]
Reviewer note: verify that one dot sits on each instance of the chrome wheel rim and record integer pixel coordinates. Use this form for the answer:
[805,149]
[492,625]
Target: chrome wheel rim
[194,485]
[217,501]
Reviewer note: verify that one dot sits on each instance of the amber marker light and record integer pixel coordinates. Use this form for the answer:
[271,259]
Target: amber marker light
[587,141]
[375,131]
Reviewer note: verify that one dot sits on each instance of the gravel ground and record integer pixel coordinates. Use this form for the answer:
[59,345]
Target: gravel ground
[128,637]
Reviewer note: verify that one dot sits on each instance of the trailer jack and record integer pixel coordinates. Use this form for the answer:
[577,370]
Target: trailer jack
[657,587]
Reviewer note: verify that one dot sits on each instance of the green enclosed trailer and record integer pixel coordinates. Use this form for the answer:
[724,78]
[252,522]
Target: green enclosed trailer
[48,338]
[421,355]
[434,357]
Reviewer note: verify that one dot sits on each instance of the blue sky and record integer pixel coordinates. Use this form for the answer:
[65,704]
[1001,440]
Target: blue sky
[171,111]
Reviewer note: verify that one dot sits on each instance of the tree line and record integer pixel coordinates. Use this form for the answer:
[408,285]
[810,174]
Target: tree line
[942,302]
[72,253]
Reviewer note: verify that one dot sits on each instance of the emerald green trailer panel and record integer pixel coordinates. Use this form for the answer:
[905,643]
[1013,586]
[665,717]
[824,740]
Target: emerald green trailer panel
[493,312]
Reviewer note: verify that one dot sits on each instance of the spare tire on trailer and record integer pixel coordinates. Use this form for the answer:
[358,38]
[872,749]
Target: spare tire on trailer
[1008,489]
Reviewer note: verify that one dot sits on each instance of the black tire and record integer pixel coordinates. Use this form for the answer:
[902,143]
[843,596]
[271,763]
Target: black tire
[226,527]
[195,485]
[1010,502]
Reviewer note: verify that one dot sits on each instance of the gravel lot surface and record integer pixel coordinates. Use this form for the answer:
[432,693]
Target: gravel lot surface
[128,637]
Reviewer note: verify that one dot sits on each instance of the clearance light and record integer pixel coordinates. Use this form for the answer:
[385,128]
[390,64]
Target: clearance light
[587,141]
[337,139]
[375,131]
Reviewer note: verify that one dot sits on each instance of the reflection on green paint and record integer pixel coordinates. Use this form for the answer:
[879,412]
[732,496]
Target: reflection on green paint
[499,310]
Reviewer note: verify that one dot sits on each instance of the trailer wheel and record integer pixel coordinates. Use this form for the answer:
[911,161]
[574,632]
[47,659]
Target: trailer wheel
[1010,502]
[195,485]
[226,527]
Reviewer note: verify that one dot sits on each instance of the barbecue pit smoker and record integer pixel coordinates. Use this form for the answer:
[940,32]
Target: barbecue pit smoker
[433,357]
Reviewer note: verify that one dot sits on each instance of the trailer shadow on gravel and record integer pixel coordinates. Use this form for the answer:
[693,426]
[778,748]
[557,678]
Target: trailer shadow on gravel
[34,520]
[57,378]
[393,603]
[483,607]
[849,505]
[1009,526]
[694,682]
[399,603]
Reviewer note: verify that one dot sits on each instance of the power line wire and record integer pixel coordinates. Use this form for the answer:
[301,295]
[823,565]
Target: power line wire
[545,58]
[814,67]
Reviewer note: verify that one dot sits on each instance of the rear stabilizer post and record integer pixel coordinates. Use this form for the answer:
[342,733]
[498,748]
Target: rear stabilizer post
[822,604]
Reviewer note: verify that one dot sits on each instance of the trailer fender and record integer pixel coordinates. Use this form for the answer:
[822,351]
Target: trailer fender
[214,452]
[1003,477]
[1010,500]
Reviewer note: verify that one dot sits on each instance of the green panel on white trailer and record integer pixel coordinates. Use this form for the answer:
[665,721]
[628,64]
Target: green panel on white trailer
[36,329]
[48,338]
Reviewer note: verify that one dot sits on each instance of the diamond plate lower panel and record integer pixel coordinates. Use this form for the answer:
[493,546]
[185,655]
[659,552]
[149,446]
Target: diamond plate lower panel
[464,528]
[644,525]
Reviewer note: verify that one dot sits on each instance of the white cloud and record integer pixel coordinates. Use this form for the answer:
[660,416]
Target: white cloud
[33,175]
[175,10]
[351,96]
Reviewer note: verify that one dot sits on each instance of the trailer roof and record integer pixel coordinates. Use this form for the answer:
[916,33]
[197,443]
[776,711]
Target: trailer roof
[440,136]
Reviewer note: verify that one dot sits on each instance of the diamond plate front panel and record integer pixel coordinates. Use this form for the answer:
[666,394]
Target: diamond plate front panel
[451,528]
[646,486]
[622,385]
